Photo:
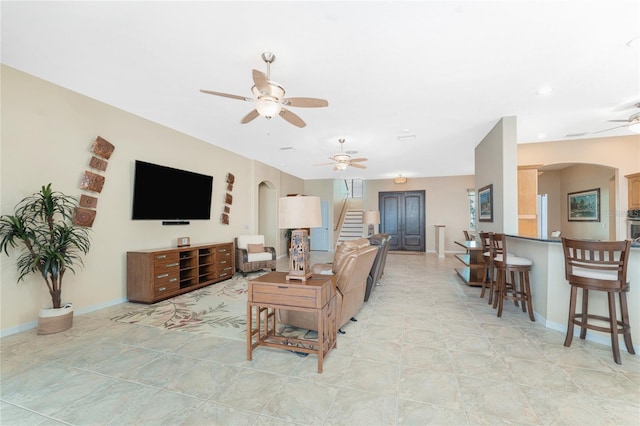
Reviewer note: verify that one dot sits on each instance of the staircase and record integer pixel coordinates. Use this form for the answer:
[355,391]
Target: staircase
[351,227]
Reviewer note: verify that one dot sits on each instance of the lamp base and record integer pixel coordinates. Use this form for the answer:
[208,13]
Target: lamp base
[299,256]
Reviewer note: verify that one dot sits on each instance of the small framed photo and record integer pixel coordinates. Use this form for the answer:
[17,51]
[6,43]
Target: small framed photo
[485,201]
[584,206]
[184,242]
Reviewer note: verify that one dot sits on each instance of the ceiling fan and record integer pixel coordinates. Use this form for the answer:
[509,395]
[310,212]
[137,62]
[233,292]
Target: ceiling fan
[632,123]
[343,160]
[269,97]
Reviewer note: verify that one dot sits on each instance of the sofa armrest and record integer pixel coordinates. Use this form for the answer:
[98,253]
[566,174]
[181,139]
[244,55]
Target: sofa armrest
[241,256]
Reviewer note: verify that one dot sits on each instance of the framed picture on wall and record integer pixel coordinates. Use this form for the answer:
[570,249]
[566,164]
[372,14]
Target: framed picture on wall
[485,201]
[584,206]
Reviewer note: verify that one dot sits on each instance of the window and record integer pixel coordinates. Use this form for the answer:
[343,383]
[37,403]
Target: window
[354,187]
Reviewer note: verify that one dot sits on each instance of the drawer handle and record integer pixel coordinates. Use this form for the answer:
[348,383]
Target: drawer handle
[222,250]
[162,289]
[223,275]
[162,276]
[161,256]
[222,262]
[173,280]
[169,265]
[227,268]
[282,286]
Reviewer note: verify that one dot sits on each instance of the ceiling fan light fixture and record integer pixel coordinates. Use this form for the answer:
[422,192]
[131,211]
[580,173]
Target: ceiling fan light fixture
[635,127]
[341,166]
[400,179]
[341,158]
[268,107]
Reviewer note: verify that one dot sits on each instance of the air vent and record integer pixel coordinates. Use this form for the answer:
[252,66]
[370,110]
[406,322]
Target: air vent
[407,137]
[575,135]
[286,148]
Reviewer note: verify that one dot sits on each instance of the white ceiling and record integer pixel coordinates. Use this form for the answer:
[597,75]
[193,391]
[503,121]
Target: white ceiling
[445,71]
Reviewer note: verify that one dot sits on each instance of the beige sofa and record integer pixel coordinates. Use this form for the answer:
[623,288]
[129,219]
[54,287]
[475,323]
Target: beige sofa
[351,265]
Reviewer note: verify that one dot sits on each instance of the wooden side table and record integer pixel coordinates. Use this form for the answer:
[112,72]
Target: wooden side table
[273,291]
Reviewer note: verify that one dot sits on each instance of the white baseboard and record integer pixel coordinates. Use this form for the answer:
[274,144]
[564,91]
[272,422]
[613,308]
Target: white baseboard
[33,324]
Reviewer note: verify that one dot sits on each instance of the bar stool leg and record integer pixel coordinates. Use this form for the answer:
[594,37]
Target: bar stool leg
[502,277]
[572,314]
[528,290]
[625,323]
[583,314]
[613,323]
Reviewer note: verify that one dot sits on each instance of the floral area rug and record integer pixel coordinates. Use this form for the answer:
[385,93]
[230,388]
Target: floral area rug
[217,310]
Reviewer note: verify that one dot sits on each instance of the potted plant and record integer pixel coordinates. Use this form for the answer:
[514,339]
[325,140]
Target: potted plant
[42,227]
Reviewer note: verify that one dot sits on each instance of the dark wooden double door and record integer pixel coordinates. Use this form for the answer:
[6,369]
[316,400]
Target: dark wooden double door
[402,217]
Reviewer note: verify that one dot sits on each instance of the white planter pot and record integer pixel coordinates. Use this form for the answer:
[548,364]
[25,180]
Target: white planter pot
[52,320]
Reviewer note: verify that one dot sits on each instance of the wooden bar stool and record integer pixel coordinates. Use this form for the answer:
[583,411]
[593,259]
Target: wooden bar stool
[600,266]
[504,263]
[485,240]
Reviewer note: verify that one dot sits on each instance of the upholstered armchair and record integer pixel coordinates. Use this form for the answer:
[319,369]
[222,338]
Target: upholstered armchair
[350,268]
[252,255]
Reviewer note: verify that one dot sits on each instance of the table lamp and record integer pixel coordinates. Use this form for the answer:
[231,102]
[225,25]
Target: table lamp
[371,217]
[296,213]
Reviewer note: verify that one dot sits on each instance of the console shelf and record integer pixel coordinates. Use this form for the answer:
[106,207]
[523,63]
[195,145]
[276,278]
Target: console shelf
[474,272]
[154,275]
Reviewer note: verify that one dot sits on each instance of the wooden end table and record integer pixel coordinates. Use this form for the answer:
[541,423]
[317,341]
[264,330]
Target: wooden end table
[273,291]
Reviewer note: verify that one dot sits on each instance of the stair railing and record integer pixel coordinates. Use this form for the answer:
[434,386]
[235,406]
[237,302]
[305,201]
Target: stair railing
[343,211]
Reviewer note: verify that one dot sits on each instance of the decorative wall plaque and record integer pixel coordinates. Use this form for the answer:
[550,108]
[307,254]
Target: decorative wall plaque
[225,218]
[230,178]
[92,182]
[97,163]
[227,209]
[88,202]
[103,148]
[228,199]
[229,187]
[83,217]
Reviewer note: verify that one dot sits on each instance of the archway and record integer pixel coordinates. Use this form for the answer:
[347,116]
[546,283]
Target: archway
[267,213]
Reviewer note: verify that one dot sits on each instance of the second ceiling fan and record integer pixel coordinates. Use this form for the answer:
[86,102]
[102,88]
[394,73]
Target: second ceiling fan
[343,160]
[269,97]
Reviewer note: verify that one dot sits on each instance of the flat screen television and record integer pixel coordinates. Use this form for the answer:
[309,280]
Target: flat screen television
[165,193]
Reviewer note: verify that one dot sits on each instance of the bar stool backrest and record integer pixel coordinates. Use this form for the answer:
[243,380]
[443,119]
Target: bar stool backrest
[597,265]
[498,248]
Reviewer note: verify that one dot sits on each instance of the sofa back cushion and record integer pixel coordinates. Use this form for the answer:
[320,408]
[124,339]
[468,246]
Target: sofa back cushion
[346,248]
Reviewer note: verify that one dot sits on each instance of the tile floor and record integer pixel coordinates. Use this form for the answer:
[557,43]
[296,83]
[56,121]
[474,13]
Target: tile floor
[425,350]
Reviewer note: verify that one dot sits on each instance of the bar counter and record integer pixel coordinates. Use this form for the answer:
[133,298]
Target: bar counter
[551,291]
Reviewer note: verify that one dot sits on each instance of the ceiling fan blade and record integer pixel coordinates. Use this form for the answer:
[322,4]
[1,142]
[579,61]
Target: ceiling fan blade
[247,118]
[619,121]
[292,118]
[261,82]
[323,164]
[356,160]
[305,102]
[606,130]
[226,95]
[358,166]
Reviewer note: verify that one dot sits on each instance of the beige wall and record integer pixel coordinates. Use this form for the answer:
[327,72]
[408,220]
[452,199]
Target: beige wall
[496,164]
[620,153]
[47,132]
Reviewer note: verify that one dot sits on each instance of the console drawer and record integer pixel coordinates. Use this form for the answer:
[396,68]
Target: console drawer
[299,296]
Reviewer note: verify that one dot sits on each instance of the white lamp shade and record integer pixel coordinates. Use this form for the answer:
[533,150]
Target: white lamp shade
[267,106]
[300,211]
[371,217]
